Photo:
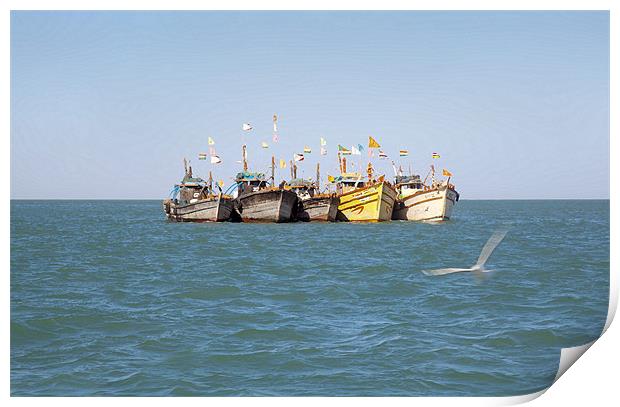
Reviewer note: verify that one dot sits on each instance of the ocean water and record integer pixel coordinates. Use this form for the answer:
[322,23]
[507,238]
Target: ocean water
[108,298]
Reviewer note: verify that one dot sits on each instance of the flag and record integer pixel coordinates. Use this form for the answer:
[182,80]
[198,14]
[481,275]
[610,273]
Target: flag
[330,178]
[275,123]
[436,155]
[343,150]
[220,183]
[372,143]
[355,151]
[298,157]
[382,154]
[323,151]
[275,137]
[264,144]
[360,147]
[202,156]
[403,153]
[282,163]
[307,150]
[246,127]
[323,142]
[215,159]
[211,142]
[447,173]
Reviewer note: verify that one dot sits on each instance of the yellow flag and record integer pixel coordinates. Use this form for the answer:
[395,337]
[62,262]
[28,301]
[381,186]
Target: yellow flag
[220,183]
[282,163]
[447,173]
[372,143]
[211,141]
[330,178]
[264,144]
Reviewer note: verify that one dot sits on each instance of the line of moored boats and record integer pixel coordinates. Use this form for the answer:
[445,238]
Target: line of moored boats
[349,197]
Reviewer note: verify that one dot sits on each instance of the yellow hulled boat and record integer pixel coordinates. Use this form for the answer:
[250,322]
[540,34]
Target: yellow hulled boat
[362,201]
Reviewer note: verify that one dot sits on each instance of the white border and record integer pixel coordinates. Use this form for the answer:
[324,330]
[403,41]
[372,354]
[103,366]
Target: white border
[593,380]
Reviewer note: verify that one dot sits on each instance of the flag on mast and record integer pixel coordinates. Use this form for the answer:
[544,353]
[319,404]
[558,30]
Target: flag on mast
[202,156]
[436,155]
[264,144]
[382,154]
[403,153]
[355,151]
[372,143]
[323,142]
[246,127]
[323,151]
[282,163]
[446,173]
[343,150]
[275,123]
[298,157]
[360,147]
[211,142]
[307,150]
[215,159]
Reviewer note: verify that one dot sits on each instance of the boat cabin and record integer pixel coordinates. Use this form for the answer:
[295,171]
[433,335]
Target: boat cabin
[190,190]
[250,182]
[408,184]
[348,181]
[303,188]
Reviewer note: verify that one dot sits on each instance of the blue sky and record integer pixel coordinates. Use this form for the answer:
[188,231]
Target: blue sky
[107,104]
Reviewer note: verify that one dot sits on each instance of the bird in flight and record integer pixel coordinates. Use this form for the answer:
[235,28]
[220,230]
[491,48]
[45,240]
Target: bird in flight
[488,248]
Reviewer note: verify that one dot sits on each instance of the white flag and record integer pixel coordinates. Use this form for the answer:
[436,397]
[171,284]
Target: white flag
[275,123]
[298,157]
[323,151]
[215,159]
[246,127]
[355,151]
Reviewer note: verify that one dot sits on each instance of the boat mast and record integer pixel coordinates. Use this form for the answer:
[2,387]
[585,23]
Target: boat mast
[291,165]
[245,159]
[318,176]
[273,167]
[210,183]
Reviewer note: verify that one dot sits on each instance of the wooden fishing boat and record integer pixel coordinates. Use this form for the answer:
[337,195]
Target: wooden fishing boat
[365,202]
[195,200]
[370,200]
[313,205]
[417,201]
[259,201]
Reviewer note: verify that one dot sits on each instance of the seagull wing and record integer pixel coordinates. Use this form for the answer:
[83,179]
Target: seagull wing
[441,272]
[488,248]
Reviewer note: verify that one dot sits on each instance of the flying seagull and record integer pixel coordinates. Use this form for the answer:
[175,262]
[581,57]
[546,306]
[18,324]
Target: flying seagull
[488,248]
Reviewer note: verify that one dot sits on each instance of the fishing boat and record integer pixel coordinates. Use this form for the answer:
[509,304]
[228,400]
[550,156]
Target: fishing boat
[313,205]
[363,200]
[420,202]
[194,200]
[258,200]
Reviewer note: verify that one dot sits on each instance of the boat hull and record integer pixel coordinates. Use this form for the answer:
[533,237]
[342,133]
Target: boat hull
[319,209]
[208,210]
[268,205]
[435,205]
[372,203]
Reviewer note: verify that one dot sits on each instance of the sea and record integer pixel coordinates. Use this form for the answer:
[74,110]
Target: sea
[110,299]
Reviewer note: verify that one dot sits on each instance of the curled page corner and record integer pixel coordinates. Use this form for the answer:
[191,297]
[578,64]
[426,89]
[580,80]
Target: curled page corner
[568,356]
